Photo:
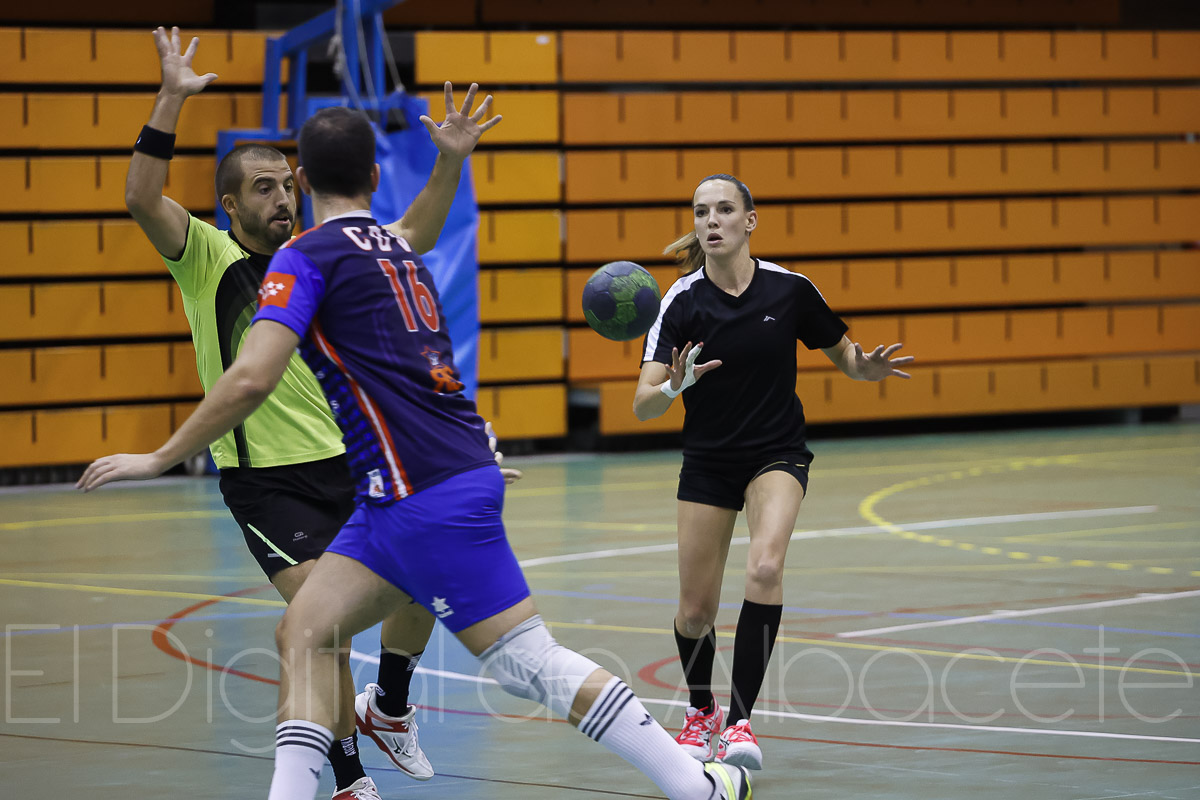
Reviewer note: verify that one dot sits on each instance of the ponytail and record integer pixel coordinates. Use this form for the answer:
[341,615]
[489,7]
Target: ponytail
[686,251]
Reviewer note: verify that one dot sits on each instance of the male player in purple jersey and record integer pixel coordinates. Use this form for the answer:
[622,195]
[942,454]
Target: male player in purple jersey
[362,309]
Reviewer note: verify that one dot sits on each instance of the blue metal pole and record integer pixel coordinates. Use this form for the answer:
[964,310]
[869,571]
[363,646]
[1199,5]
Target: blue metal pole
[297,89]
[271,84]
[375,34]
[353,76]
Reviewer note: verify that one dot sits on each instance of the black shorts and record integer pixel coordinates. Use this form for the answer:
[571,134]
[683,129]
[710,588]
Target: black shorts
[723,483]
[289,513]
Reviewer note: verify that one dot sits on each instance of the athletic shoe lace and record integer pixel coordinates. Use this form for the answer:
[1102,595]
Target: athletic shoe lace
[696,727]
[739,733]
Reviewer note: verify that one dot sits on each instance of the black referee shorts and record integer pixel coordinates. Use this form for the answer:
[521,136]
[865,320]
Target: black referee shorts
[723,483]
[289,513]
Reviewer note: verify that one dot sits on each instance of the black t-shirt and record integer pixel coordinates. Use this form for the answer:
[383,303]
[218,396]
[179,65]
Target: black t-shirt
[748,406]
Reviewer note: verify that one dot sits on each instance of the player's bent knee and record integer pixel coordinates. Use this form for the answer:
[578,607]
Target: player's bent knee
[293,634]
[694,621]
[767,572]
[528,663]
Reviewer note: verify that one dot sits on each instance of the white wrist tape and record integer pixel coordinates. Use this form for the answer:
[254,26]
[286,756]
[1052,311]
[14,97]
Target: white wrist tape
[689,375]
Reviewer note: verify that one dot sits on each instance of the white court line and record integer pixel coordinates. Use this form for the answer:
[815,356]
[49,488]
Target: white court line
[1040,515]
[891,723]
[857,531]
[1028,612]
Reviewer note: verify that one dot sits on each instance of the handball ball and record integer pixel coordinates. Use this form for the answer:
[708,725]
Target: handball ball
[620,301]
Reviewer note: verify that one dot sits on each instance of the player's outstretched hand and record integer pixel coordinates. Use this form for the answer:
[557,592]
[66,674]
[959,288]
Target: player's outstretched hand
[460,131]
[178,77]
[511,475]
[880,364]
[120,467]
[684,370]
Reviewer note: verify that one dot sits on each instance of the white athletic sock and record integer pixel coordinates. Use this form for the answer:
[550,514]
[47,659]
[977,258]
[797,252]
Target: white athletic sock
[619,721]
[300,748]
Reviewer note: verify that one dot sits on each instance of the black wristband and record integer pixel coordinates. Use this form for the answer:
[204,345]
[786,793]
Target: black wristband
[156,143]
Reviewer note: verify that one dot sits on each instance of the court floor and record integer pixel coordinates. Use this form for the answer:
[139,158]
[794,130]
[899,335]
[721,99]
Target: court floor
[1007,615]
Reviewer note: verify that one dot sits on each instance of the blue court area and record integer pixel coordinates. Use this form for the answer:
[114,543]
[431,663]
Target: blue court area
[972,615]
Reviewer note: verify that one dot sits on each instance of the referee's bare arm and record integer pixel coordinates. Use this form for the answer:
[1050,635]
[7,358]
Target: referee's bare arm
[164,221]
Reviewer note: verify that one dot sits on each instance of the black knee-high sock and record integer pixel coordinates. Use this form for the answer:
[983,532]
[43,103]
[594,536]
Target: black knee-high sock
[697,656]
[343,757]
[395,677]
[757,627]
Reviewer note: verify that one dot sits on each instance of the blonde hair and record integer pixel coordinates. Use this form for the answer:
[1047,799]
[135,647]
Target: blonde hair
[686,249]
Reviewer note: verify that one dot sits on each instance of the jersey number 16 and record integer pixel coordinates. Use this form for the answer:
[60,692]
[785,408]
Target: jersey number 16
[422,298]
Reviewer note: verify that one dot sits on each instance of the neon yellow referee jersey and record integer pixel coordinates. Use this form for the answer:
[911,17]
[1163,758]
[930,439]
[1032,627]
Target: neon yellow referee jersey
[219,281]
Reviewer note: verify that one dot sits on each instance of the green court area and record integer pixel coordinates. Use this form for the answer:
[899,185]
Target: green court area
[1001,615]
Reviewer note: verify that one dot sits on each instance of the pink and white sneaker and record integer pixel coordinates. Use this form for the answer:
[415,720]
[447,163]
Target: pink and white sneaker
[396,736]
[738,746]
[700,728]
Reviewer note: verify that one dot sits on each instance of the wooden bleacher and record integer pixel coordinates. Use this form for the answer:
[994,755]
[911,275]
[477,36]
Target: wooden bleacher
[1018,206]
[1080,194]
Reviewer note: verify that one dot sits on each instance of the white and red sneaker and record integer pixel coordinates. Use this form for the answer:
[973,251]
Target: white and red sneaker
[396,736]
[361,789]
[700,729]
[738,746]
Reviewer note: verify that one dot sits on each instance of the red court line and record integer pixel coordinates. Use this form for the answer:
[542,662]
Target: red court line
[649,674]
[978,750]
[161,641]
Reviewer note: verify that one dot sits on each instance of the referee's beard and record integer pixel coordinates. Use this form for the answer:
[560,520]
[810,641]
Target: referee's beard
[272,228]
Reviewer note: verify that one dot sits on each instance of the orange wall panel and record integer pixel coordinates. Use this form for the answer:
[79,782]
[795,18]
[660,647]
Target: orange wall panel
[90,310]
[516,177]
[530,117]
[863,115]
[519,236]
[76,55]
[487,58]
[591,357]
[520,295]
[875,227]
[751,56]
[111,120]
[520,354]
[525,412]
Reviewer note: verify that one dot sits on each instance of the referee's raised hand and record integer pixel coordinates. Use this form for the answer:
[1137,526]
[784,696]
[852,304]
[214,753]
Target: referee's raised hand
[178,77]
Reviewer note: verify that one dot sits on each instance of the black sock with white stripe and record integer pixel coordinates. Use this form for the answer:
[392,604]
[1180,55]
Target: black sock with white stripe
[620,722]
[347,766]
[300,750]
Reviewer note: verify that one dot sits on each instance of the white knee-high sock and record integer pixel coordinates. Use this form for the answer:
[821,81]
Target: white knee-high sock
[300,748]
[620,722]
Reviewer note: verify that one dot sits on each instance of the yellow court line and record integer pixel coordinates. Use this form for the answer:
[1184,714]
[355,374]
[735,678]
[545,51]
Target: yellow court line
[150,516]
[1114,531]
[252,601]
[79,587]
[735,569]
[559,491]
[132,576]
[866,510]
[948,654]
[581,525]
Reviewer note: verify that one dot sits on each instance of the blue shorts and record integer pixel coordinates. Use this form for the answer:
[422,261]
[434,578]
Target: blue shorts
[444,546]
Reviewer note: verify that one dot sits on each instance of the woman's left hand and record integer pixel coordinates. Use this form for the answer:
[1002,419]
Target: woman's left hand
[879,364]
